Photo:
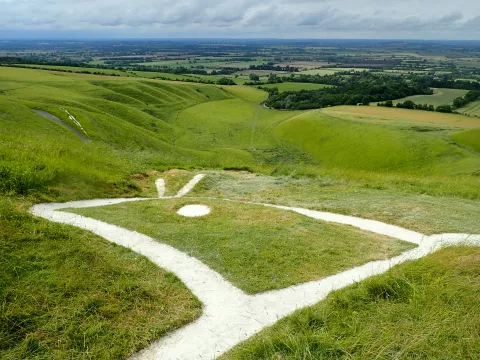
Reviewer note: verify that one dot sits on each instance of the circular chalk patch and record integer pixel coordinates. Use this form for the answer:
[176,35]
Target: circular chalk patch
[194,210]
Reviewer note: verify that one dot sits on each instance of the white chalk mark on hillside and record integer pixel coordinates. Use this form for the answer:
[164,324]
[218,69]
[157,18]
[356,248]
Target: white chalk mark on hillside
[229,315]
[75,121]
[160,185]
[190,185]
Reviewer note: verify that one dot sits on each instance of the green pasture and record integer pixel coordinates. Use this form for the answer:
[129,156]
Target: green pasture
[439,97]
[471,109]
[338,143]
[255,247]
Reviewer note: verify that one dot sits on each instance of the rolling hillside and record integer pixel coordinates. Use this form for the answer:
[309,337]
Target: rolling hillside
[411,168]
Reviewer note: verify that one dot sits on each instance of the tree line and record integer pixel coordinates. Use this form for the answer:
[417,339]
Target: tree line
[461,101]
[362,88]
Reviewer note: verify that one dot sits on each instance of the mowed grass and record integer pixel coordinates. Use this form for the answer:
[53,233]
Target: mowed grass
[256,248]
[293,86]
[68,294]
[427,309]
[440,96]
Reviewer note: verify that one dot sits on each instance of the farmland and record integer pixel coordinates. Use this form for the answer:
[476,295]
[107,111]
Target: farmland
[439,97]
[471,109]
[68,293]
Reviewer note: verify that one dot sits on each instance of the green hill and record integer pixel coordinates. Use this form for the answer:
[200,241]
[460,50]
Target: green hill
[412,168]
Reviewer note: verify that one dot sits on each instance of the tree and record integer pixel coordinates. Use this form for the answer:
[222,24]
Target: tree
[272,78]
[226,81]
[444,109]
[254,77]
[389,103]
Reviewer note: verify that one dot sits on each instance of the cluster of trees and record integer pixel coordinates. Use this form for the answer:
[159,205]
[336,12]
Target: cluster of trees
[409,104]
[444,82]
[362,88]
[226,81]
[272,67]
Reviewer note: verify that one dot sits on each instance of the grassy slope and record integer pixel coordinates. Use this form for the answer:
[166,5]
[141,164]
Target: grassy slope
[67,294]
[255,247]
[439,97]
[134,124]
[425,309]
[471,109]
[469,138]
[353,145]
[127,121]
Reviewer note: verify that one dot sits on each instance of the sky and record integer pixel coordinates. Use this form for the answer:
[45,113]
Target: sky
[312,19]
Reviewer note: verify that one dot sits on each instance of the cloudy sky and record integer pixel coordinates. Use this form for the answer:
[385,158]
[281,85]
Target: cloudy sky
[405,19]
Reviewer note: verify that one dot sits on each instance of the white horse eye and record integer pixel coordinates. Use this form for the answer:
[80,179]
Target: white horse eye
[194,210]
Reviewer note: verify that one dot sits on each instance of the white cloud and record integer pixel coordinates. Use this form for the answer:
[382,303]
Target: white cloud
[270,18]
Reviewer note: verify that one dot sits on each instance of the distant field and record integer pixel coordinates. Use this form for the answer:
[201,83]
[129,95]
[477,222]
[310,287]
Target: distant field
[291,86]
[131,73]
[78,69]
[440,97]
[383,115]
[471,109]
[328,71]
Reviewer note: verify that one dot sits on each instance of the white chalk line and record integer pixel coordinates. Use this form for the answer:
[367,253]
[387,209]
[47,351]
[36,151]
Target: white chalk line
[229,315]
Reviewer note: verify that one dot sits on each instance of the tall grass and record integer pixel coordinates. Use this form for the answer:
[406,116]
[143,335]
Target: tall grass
[68,294]
[425,309]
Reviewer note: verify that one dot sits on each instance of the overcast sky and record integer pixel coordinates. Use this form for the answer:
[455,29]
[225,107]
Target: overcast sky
[405,19]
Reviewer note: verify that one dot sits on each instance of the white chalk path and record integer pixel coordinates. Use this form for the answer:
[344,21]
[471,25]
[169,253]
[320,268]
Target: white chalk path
[229,315]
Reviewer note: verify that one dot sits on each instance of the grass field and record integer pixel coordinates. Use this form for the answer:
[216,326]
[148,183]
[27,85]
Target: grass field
[439,97]
[255,247]
[471,109]
[469,138]
[68,294]
[282,87]
[425,309]
[336,143]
